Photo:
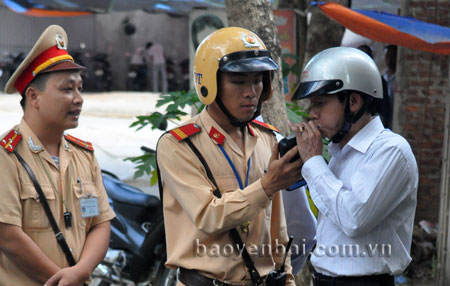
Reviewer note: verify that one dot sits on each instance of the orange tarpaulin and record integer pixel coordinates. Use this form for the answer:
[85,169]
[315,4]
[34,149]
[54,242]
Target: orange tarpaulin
[373,28]
[53,13]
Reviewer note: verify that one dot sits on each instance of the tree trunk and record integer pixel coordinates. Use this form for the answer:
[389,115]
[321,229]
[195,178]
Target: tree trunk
[257,16]
[323,32]
[300,7]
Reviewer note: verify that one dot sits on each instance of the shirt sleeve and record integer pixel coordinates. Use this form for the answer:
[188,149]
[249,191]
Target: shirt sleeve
[10,204]
[372,193]
[184,177]
[105,211]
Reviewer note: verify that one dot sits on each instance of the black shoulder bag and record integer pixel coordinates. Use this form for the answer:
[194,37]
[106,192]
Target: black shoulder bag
[58,234]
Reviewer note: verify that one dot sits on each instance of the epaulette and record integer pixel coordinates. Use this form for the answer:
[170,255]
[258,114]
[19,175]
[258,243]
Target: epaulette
[185,131]
[266,125]
[10,141]
[84,144]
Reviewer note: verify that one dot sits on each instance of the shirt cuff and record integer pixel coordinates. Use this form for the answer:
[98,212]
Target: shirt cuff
[314,168]
[256,196]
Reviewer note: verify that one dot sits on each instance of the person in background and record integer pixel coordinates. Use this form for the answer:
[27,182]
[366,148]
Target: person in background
[390,59]
[37,154]
[157,65]
[384,106]
[367,194]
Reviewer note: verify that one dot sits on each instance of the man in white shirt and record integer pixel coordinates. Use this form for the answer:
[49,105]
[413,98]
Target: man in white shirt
[157,63]
[367,194]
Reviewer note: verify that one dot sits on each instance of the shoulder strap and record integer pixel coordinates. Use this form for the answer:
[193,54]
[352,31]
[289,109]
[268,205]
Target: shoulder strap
[234,234]
[83,144]
[185,131]
[58,234]
[10,141]
[265,125]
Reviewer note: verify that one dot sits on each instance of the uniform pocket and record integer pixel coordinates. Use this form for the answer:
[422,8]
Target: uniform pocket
[34,217]
[83,191]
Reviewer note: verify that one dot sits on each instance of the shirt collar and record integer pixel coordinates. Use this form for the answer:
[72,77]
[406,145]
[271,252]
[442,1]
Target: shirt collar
[219,136]
[363,138]
[213,128]
[33,142]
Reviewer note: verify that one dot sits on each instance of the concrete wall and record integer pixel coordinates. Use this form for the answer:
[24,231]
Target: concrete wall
[420,97]
[103,32]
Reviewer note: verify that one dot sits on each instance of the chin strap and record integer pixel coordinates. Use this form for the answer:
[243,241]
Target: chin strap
[349,119]
[233,120]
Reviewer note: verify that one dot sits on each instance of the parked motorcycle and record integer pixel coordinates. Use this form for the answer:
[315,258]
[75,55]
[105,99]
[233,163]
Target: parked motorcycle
[102,72]
[137,77]
[137,252]
[9,62]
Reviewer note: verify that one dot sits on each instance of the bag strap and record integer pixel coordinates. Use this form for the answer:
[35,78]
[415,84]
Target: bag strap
[58,234]
[254,274]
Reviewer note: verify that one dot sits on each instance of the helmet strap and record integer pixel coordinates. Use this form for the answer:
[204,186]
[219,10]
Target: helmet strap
[233,120]
[349,119]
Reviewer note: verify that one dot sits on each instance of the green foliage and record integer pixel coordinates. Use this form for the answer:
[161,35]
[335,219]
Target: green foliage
[290,65]
[175,102]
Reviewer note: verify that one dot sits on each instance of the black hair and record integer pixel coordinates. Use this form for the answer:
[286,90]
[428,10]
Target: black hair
[148,45]
[367,49]
[39,82]
[373,104]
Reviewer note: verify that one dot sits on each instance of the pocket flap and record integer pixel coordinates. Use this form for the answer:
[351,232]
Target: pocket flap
[29,192]
[86,190]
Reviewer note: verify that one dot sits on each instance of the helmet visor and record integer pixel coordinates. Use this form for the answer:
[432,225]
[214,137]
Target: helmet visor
[248,61]
[308,89]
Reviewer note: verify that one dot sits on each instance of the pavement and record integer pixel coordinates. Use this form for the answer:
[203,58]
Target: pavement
[105,122]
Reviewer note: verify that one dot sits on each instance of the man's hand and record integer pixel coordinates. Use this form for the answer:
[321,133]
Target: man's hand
[309,139]
[281,173]
[71,276]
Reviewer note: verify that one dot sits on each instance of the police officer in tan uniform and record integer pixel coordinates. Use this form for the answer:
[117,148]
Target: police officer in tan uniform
[65,167]
[233,74]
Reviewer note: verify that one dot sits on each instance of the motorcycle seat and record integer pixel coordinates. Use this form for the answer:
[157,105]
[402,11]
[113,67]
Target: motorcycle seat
[124,193]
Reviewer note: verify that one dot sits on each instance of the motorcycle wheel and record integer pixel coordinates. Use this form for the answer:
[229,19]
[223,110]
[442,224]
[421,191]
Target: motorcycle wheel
[167,277]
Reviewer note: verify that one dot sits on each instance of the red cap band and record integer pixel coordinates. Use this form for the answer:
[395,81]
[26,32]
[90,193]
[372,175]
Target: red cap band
[27,76]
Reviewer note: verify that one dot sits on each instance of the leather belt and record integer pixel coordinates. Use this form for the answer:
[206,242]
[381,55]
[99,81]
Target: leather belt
[193,278]
[372,280]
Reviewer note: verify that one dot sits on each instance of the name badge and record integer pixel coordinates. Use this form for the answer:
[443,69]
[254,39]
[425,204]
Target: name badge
[89,207]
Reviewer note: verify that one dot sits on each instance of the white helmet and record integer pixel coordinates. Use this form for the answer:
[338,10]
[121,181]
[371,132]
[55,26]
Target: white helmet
[338,69]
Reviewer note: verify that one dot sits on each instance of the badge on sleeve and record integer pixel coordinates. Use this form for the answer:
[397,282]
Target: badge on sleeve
[89,207]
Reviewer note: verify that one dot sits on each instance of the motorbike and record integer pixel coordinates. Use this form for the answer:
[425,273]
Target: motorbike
[8,65]
[102,72]
[137,77]
[136,253]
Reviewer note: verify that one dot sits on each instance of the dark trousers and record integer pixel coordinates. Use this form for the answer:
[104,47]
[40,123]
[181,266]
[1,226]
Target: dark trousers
[373,280]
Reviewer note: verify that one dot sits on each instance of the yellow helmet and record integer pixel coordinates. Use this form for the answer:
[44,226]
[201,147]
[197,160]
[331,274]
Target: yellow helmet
[231,49]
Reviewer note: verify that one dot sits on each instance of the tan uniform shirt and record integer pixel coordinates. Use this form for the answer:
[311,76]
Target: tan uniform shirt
[197,223]
[79,176]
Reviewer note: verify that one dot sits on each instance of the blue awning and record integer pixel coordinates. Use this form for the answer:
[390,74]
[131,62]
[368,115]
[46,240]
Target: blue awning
[392,29]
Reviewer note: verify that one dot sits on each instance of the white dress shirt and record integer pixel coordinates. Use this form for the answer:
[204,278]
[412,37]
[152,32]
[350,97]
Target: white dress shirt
[366,198]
